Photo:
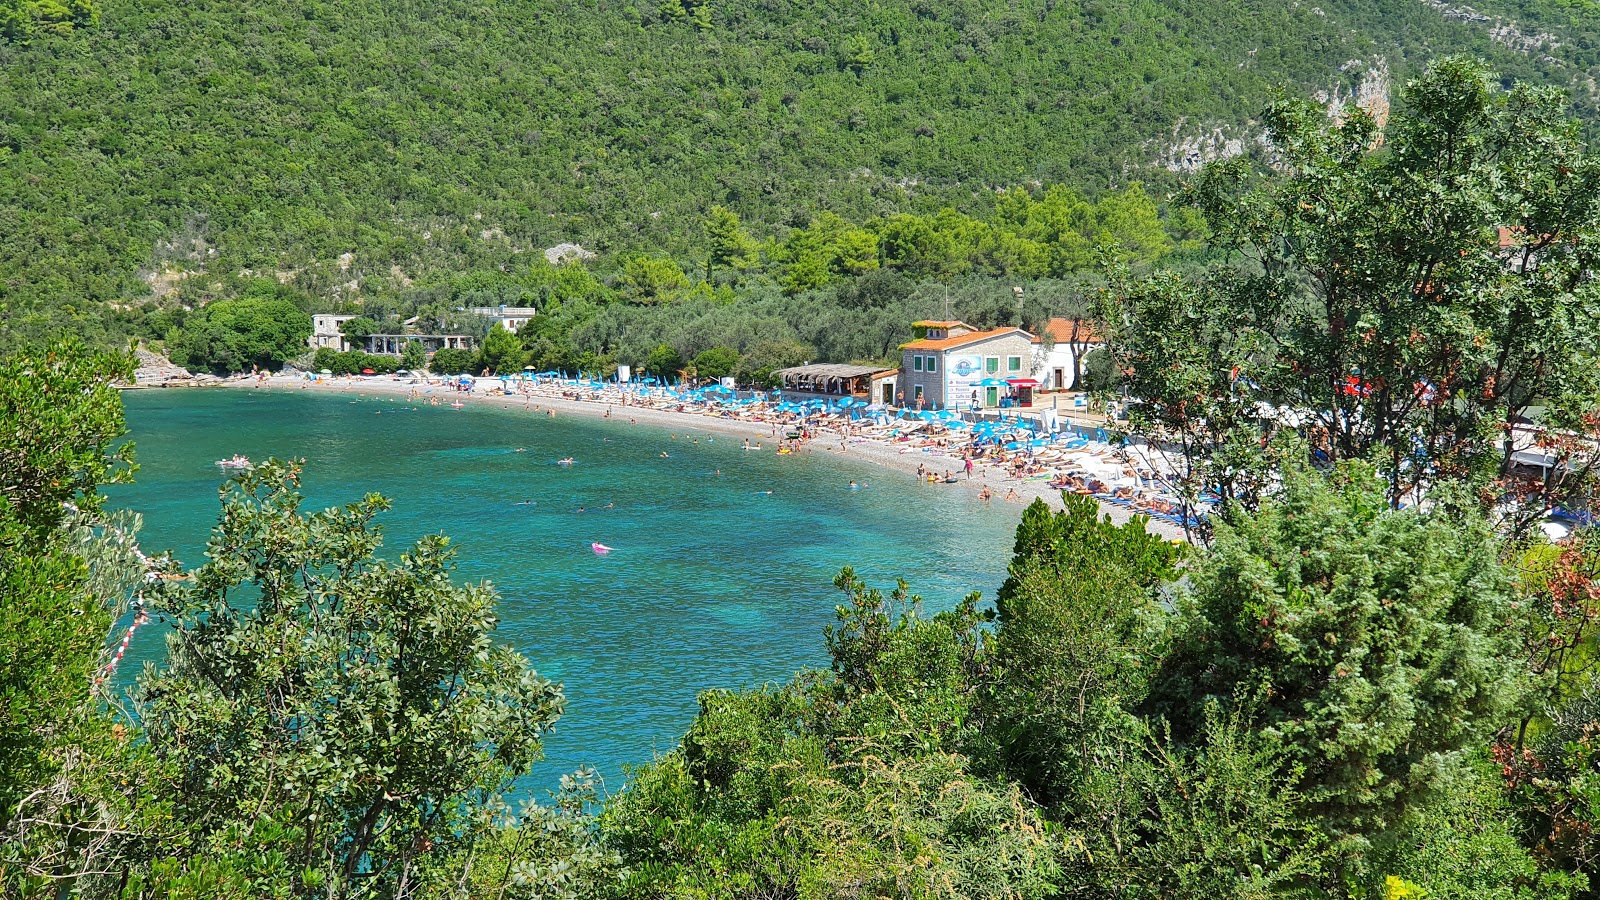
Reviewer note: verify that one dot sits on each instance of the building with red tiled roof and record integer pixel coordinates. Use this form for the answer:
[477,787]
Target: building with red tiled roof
[1061,364]
[950,367]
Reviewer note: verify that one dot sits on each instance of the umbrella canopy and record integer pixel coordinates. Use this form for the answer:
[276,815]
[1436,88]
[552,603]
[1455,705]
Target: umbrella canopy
[368,372]
[325,372]
[992,382]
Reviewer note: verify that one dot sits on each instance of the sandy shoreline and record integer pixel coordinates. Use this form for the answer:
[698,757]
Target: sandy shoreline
[889,456]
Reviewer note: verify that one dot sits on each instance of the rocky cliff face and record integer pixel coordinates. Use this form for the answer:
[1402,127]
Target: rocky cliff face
[1359,84]
[1501,30]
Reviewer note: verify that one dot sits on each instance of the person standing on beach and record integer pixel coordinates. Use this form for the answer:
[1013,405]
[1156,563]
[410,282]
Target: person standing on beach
[969,468]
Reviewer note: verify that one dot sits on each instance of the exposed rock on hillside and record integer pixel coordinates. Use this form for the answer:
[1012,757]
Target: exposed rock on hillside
[562,253]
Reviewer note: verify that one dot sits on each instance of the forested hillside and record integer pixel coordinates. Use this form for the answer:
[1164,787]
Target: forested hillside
[350,148]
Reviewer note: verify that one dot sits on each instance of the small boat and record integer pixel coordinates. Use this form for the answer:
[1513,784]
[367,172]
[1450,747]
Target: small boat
[237,462]
[599,549]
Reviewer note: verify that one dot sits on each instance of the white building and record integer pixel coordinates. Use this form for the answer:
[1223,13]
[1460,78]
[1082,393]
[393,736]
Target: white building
[325,332]
[1059,366]
[952,365]
[512,317]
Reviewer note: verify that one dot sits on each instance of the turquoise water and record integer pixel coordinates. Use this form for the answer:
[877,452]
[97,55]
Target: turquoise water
[713,583]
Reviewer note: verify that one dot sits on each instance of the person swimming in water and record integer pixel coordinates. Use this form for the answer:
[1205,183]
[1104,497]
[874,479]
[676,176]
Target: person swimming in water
[854,486]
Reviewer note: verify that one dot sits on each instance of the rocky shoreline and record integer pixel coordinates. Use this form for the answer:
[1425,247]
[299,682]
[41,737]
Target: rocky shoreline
[155,370]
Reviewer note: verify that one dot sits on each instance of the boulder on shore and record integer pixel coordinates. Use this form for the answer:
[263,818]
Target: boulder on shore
[156,370]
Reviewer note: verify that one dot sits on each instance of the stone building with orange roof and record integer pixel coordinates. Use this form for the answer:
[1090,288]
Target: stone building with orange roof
[954,365]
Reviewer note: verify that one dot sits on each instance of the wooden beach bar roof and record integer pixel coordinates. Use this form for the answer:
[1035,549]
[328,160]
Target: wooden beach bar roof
[829,378]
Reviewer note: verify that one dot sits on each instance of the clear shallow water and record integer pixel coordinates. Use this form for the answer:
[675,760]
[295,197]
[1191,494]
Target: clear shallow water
[712,584]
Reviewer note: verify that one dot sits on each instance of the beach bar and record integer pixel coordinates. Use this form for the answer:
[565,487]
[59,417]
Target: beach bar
[836,380]
[395,344]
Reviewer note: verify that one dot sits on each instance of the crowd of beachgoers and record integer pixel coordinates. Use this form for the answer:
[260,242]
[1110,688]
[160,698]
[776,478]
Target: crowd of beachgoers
[1013,452]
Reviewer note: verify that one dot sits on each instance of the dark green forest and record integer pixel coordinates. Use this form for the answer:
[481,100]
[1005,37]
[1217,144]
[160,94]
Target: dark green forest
[352,150]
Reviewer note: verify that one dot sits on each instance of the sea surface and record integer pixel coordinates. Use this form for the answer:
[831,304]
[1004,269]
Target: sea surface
[721,576]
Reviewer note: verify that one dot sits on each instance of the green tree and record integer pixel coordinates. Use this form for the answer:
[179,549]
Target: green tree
[729,246]
[1191,372]
[761,360]
[716,362]
[1128,226]
[413,357]
[939,247]
[453,361]
[1552,785]
[21,20]
[663,362]
[1465,843]
[1420,298]
[1370,640]
[356,330]
[857,53]
[367,713]
[651,279]
[234,335]
[501,352]
[59,415]
[849,782]
[1080,633]
[1225,817]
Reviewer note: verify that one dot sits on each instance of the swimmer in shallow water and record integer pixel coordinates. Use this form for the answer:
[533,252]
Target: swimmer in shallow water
[854,486]
[664,454]
[526,503]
